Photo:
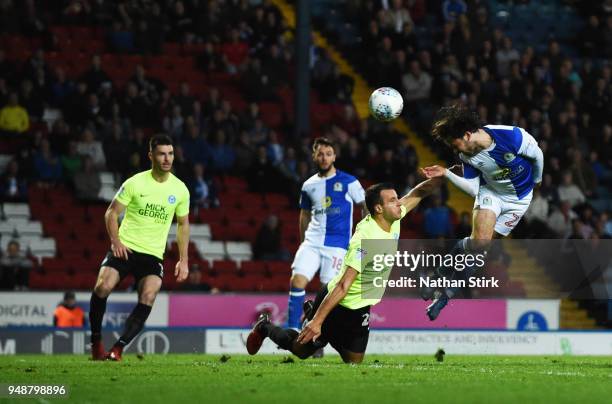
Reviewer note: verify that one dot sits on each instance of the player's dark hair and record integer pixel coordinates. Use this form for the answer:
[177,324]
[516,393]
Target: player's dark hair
[452,122]
[160,140]
[372,195]
[322,141]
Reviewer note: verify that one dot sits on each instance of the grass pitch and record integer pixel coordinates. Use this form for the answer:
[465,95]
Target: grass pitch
[278,379]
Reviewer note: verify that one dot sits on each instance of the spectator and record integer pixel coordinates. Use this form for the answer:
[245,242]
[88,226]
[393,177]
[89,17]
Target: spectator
[505,57]
[437,220]
[47,167]
[452,9]
[87,183]
[221,154]
[268,241]
[195,147]
[417,84]
[14,118]
[202,190]
[14,268]
[67,314]
[89,146]
[71,161]
[537,215]
[95,76]
[560,221]
[13,185]
[194,281]
[569,192]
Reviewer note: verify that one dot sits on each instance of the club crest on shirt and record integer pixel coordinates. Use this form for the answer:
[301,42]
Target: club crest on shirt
[396,236]
[508,157]
[480,163]
[338,187]
[486,200]
[361,253]
[171,199]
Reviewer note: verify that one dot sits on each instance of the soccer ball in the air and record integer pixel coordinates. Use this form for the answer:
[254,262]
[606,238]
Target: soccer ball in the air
[386,104]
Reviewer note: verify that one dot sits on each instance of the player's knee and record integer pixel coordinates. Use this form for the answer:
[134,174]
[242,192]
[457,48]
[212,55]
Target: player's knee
[303,355]
[147,297]
[298,281]
[353,359]
[103,288]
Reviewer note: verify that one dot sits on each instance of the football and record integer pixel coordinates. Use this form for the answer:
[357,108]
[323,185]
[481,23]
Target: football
[386,104]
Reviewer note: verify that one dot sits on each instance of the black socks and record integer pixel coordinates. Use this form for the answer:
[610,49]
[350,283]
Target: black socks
[97,307]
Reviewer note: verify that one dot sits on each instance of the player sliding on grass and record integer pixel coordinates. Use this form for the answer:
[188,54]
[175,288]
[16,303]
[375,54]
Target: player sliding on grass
[150,200]
[340,314]
[501,166]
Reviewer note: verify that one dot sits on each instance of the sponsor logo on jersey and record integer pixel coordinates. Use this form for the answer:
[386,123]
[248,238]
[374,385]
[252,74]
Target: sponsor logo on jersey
[507,173]
[155,211]
[508,157]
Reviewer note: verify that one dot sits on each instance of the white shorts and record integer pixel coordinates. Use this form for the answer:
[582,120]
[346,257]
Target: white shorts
[508,213]
[309,258]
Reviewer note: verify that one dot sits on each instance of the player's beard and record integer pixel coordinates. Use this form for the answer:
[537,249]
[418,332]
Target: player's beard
[323,171]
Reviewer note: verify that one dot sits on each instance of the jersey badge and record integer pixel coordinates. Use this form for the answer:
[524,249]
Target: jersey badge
[338,187]
[508,157]
[171,199]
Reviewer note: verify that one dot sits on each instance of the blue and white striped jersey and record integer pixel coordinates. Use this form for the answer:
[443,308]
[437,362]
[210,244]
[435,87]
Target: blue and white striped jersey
[330,202]
[510,167]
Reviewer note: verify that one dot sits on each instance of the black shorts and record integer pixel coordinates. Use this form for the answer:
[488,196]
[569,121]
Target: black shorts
[138,264]
[344,329]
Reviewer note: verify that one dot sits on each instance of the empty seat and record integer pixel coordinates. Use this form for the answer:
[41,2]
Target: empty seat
[30,229]
[211,250]
[16,210]
[239,251]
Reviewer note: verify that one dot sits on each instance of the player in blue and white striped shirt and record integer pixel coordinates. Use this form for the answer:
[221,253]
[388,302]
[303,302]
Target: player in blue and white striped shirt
[326,222]
[501,166]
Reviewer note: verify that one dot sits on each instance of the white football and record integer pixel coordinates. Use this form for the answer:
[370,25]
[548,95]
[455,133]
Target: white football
[386,104]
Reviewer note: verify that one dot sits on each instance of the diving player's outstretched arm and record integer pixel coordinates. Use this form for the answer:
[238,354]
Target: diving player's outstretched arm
[468,183]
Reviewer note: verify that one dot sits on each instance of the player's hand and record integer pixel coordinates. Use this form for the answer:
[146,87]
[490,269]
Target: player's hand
[181,270]
[310,332]
[432,172]
[119,249]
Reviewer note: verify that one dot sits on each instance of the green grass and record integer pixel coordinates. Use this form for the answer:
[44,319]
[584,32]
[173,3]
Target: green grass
[266,379]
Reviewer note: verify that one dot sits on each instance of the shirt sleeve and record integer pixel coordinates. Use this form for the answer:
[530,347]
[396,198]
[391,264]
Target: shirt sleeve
[355,254]
[125,193]
[530,149]
[404,212]
[182,208]
[305,202]
[356,192]
[469,183]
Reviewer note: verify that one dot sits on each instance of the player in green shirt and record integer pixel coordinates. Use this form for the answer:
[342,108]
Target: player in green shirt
[341,312]
[150,200]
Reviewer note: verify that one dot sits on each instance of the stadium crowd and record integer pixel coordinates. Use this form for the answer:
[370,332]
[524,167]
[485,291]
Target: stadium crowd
[563,101]
[559,92]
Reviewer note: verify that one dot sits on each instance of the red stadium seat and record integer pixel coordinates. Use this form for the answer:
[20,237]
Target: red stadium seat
[225,266]
[253,267]
[279,267]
